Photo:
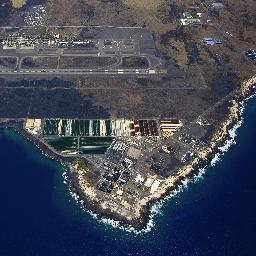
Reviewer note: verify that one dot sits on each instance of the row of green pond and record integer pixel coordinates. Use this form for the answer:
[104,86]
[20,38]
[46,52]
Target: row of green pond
[76,127]
[87,145]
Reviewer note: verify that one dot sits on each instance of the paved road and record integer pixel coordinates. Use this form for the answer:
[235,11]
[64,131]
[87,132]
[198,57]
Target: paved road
[103,88]
[68,26]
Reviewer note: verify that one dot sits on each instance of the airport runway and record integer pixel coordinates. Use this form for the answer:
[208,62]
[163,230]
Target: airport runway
[110,69]
[78,72]
[118,43]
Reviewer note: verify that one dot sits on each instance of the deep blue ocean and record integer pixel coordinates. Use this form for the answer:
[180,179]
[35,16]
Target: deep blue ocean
[215,216]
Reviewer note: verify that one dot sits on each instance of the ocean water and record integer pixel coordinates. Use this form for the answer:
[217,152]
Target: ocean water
[215,216]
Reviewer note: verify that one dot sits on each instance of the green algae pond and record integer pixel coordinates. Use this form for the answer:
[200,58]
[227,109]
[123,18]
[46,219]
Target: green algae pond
[87,145]
[74,127]
[62,143]
[94,145]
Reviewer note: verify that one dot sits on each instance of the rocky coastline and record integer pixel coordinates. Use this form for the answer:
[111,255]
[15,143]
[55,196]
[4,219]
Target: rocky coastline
[186,173]
[171,184]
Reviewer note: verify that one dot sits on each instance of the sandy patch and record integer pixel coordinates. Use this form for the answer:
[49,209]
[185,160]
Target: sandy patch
[18,3]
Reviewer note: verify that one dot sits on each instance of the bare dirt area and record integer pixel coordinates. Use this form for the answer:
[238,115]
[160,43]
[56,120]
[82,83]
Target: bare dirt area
[39,63]
[135,62]
[182,44]
[85,62]
[7,63]
[194,70]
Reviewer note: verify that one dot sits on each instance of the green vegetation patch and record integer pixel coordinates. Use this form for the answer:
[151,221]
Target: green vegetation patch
[80,165]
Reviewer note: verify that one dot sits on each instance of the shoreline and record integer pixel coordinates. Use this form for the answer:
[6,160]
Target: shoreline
[171,185]
[189,172]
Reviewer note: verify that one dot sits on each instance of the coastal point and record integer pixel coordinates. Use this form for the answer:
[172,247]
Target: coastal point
[132,98]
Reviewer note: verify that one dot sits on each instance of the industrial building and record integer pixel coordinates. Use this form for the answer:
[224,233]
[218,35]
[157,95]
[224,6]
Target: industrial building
[33,126]
[168,127]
